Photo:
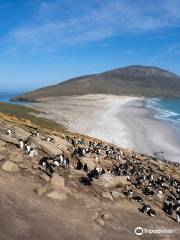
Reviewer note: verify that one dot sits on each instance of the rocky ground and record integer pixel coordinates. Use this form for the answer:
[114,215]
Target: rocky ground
[34,205]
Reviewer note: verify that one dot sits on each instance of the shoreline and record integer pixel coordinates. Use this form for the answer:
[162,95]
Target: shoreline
[124,121]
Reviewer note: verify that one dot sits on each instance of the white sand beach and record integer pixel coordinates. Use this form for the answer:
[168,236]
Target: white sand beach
[120,120]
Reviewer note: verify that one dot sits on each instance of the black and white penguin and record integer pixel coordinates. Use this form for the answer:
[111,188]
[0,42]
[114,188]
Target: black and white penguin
[27,149]
[9,132]
[145,208]
[44,162]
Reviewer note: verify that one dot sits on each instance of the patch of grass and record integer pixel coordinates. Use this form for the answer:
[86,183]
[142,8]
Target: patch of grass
[23,112]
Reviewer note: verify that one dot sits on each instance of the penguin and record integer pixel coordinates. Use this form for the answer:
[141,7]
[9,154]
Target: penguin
[21,144]
[79,165]
[67,162]
[48,168]
[138,199]
[86,181]
[178,216]
[56,163]
[27,149]
[9,132]
[85,168]
[31,153]
[151,213]
[103,171]
[145,208]
[130,193]
[168,208]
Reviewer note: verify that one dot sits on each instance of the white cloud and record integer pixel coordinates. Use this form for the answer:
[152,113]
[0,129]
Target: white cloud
[58,23]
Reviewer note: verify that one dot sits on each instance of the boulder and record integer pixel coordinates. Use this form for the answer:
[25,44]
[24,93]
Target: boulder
[61,196]
[9,166]
[57,181]
[109,181]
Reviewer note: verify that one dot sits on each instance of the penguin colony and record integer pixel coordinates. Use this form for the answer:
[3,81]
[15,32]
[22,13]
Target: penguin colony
[141,176]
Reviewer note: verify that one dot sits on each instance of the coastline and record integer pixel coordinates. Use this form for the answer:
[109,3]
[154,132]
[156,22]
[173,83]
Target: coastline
[124,121]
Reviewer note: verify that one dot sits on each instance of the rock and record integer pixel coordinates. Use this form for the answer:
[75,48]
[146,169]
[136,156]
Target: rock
[57,181]
[100,221]
[9,166]
[106,216]
[40,190]
[107,195]
[35,166]
[110,181]
[1,157]
[45,177]
[47,147]
[9,139]
[23,165]
[2,143]
[117,194]
[61,196]
[20,133]
[17,158]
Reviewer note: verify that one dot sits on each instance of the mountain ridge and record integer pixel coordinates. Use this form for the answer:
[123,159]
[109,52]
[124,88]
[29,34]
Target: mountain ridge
[135,80]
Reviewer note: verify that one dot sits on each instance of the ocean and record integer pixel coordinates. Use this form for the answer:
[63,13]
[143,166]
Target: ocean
[5,97]
[165,109]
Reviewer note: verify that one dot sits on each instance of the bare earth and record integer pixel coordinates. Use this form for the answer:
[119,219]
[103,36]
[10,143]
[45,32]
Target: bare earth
[120,120]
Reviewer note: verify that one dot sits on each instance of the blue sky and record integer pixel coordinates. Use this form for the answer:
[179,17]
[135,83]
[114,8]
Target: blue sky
[45,42]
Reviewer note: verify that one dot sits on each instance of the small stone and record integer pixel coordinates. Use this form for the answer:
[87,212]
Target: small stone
[9,166]
[57,181]
[40,190]
[100,221]
[61,196]
[107,195]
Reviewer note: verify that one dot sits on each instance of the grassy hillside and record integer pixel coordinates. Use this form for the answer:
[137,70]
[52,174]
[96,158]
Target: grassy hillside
[25,113]
[133,81]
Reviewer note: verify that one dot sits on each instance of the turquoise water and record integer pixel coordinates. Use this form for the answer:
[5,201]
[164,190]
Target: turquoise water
[5,97]
[166,109]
